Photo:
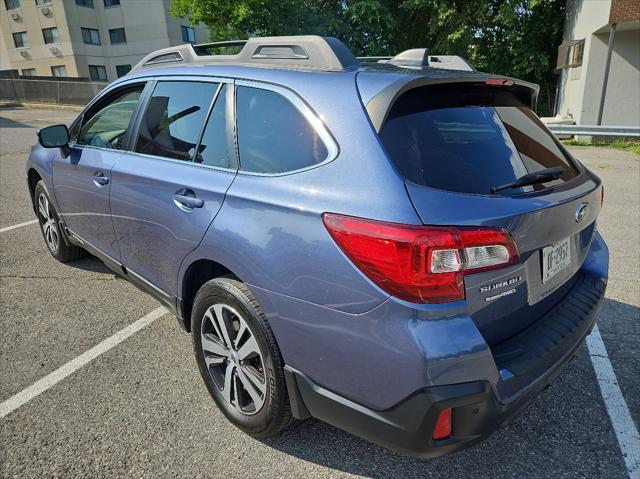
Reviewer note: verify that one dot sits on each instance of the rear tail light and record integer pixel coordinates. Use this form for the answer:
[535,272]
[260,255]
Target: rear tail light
[421,264]
[442,429]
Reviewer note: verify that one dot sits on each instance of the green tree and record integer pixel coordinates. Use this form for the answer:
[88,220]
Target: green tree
[511,37]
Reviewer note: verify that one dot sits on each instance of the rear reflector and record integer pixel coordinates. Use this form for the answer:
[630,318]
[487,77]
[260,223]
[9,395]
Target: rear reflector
[442,429]
[421,264]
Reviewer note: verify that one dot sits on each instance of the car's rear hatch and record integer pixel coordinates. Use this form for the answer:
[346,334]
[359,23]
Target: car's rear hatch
[453,142]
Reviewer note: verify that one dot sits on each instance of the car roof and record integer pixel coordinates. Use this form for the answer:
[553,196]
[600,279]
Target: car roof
[313,64]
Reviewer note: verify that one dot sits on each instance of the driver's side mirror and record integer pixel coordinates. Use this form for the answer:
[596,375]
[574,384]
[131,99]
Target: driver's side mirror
[56,136]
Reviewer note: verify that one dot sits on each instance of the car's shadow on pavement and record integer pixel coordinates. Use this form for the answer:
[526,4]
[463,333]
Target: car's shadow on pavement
[7,123]
[551,436]
[92,264]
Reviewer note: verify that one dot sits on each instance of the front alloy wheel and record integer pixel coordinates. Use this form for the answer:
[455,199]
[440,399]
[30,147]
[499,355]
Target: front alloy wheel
[51,227]
[48,223]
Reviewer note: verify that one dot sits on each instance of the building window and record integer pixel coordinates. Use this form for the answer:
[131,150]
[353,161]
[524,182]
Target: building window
[570,54]
[12,4]
[90,36]
[98,73]
[122,70]
[116,35]
[188,34]
[20,39]
[111,3]
[29,72]
[43,2]
[59,71]
[85,3]
[50,35]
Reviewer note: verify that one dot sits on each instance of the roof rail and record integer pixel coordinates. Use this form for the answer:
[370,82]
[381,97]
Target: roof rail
[307,52]
[205,48]
[373,59]
[420,58]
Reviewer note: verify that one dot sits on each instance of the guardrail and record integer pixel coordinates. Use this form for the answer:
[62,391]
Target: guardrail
[595,130]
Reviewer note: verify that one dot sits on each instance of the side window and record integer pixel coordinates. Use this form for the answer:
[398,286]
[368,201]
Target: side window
[106,125]
[174,117]
[273,135]
[213,150]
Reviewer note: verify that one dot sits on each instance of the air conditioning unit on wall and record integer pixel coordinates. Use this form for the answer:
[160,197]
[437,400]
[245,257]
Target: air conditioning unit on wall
[55,50]
[24,54]
[46,11]
[15,16]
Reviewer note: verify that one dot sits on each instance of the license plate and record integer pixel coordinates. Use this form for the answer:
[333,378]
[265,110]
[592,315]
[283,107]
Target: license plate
[555,258]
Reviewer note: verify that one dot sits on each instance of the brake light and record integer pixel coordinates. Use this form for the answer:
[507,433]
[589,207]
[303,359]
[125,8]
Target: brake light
[498,82]
[421,264]
[442,429]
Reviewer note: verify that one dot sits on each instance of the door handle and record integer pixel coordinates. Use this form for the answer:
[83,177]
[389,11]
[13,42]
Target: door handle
[100,179]
[187,199]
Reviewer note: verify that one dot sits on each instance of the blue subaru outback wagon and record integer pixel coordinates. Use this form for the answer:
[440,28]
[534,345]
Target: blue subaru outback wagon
[399,248]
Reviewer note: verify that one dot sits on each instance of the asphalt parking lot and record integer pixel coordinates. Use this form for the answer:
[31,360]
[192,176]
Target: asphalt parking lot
[141,409]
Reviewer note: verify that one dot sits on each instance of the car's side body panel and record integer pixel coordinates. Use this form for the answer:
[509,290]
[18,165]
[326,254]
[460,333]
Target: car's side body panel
[155,232]
[83,201]
[269,231]
[40,161]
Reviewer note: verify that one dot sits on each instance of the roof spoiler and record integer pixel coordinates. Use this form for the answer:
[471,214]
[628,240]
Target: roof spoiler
[380,105]
[307,52]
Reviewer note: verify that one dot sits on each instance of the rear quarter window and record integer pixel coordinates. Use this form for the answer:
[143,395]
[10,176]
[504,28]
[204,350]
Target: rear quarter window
[468,141]
[273,134]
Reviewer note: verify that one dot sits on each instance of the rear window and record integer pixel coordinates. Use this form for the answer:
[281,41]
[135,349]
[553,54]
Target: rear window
[174,117]
[470,140]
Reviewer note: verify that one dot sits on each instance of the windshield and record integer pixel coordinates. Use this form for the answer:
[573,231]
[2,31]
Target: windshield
[470,140]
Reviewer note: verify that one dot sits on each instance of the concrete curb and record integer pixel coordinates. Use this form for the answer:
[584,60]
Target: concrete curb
[45,106]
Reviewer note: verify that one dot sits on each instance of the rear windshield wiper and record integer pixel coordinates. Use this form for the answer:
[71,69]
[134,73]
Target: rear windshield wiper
[539,176]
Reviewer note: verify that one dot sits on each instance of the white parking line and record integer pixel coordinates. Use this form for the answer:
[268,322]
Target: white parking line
[19,225]
[623,425]
[50,380]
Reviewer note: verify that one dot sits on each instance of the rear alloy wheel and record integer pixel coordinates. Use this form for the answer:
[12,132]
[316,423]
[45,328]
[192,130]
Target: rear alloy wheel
[234,359]
[238,357]
[50,227]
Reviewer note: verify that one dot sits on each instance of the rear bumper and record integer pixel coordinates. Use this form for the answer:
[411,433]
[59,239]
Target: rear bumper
[407,428]
[479,407]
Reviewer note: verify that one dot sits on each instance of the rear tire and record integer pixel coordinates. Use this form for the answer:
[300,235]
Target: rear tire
[50,227]
[239,359]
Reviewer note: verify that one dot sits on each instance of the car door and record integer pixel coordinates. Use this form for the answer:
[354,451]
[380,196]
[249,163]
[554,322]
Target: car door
[166,192]
[81,181]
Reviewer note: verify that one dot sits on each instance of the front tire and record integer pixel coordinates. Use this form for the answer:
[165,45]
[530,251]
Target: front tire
[239,359]
[51,229]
